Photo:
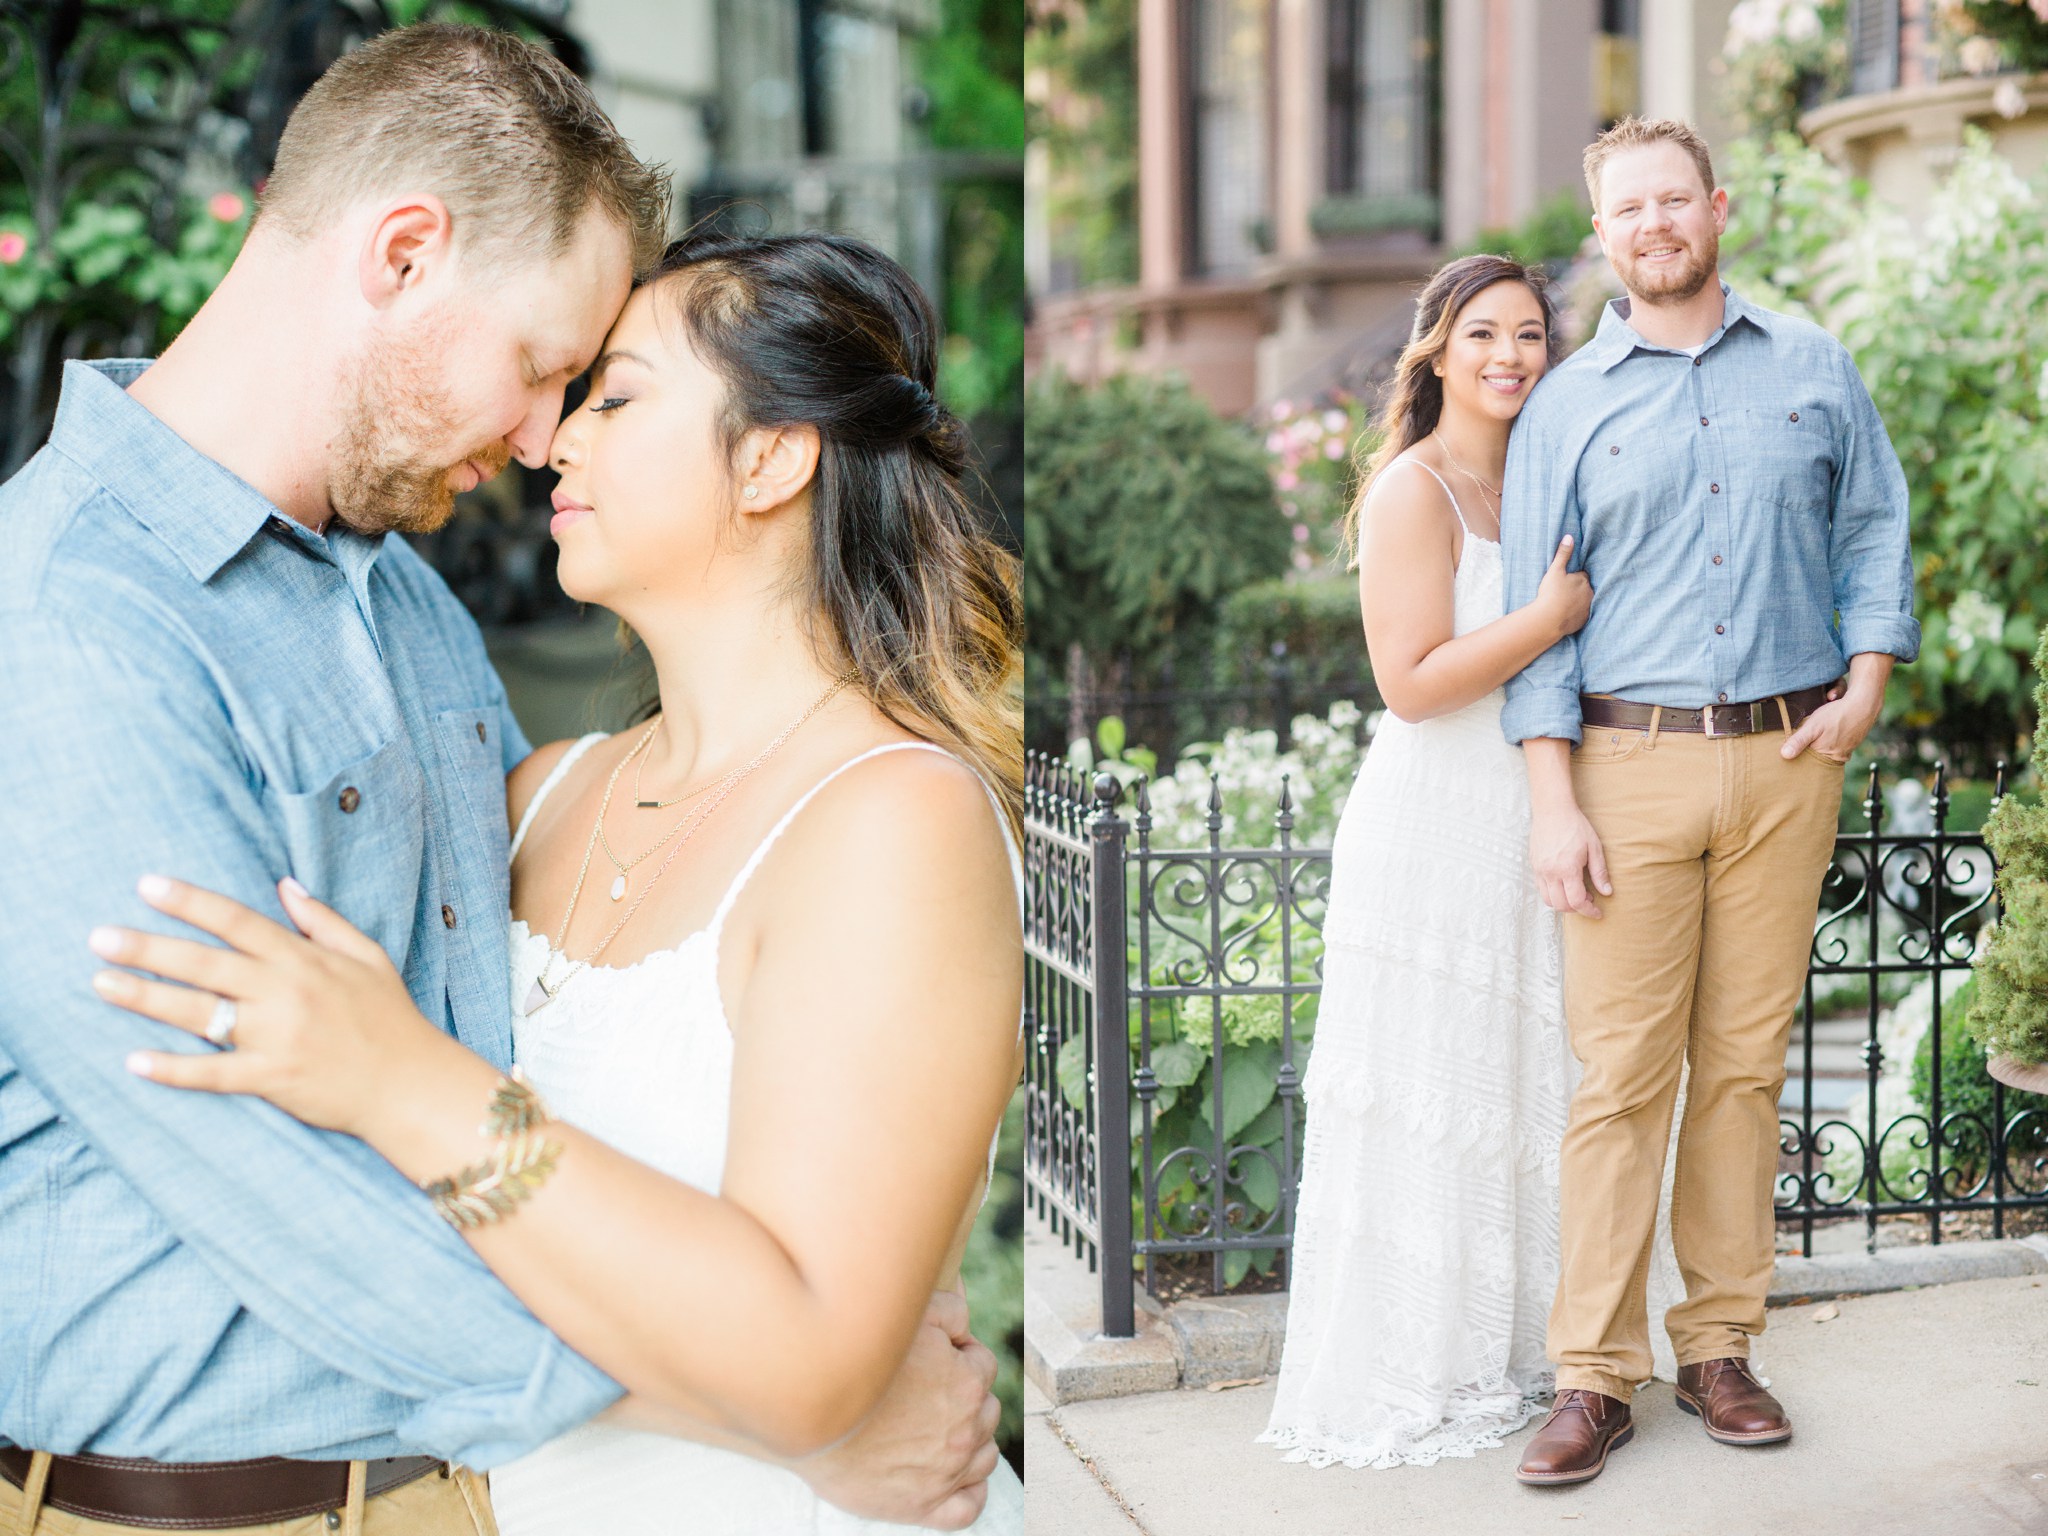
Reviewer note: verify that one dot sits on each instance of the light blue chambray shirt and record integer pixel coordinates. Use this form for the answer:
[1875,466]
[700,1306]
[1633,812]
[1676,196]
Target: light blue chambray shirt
[193,685]
[1741,515]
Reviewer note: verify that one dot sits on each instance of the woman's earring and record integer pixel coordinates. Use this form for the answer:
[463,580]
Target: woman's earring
[751,492]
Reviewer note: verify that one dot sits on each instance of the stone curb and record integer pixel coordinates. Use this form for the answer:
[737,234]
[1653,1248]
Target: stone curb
[1211,1339]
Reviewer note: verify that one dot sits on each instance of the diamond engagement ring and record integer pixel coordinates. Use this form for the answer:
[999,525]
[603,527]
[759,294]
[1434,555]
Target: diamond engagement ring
[220,1028]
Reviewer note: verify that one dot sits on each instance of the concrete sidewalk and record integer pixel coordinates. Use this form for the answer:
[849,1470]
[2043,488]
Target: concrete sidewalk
[1919,1413]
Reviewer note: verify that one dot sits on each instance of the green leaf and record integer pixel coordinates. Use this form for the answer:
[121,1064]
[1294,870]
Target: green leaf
[1236,1265]
[1071,1068]
[1176,1064]
[1260,1182]
[1248,1085]
[1109,733]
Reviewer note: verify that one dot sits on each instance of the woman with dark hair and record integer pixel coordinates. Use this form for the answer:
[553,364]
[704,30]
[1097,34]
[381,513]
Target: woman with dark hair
[1425,1249]
[766,951]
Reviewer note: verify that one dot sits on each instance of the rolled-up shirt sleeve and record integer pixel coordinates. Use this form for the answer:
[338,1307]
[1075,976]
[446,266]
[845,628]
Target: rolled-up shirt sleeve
[122,760]
[1869,558]
[1538,508]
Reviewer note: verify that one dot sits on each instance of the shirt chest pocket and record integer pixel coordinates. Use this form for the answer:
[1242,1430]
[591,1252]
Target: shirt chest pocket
[1790,452]
[1633,481]
[357,840]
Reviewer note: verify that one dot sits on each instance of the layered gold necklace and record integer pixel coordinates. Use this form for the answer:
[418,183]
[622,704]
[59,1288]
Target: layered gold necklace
[546,986]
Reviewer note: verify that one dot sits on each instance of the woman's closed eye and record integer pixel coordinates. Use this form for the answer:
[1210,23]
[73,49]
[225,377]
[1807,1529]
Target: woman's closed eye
[609,403]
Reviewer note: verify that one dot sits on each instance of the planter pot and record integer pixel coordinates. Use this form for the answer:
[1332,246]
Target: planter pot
[2019,1074]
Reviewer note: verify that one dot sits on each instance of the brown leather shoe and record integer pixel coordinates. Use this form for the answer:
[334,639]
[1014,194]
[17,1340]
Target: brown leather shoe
[1732,1403]
[1573,1443]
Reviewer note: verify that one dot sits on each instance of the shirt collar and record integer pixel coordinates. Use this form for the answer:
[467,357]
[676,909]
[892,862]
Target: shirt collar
[205,512]
[1616,338]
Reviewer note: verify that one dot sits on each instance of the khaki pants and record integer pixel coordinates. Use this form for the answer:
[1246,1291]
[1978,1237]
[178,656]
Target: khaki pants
[1716,849]
[435,1505]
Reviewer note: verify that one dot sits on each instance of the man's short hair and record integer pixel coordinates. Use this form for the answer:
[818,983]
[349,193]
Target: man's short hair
[499,129]
[1634,133]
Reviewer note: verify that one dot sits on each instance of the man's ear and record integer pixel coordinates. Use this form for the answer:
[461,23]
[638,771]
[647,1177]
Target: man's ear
[412,238]
[776,464]
[1719,203]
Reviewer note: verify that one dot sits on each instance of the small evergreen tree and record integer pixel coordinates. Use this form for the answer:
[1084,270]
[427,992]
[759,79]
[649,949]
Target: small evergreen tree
[1143,510]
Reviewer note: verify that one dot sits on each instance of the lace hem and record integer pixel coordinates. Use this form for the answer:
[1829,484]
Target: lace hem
[1458,1437]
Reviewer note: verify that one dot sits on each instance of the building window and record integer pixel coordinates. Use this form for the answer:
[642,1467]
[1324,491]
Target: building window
[1225,49]
[1383,133]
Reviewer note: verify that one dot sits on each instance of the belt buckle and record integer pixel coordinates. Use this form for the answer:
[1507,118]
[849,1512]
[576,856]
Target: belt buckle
[1707,720]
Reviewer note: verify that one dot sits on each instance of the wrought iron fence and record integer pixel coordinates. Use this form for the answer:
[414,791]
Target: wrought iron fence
[1168,717]
[1171,997]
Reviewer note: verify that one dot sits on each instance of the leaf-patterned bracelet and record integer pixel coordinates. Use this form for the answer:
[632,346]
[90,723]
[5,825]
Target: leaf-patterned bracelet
[519,1164]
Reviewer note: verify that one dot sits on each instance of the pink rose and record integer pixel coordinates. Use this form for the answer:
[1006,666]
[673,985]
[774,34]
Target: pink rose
[226,206]
[1301,533]
[1334,448]
[1288,480]
[1276,442]
[12,248]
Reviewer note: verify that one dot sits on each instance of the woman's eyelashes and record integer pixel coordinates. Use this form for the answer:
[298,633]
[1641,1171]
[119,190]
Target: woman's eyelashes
[609,403]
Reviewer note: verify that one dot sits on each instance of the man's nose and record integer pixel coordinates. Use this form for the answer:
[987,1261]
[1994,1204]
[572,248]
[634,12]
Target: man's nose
[532,439]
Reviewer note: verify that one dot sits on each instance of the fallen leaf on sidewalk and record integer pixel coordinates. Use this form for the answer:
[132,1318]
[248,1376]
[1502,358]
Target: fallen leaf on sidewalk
[1827,1314]
[1225,1386]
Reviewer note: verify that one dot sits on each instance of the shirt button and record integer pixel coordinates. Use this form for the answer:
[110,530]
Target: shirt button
[333,1520]
[1717,559]
[479,730]
[1721,629]
[1703,421]
[447,917]
[1715,489]
[1614,450]
[1697,361]
[1723,698]
[1795,415]
[350,799]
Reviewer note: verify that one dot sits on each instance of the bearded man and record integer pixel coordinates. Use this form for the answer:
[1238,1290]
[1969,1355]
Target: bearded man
[219,663]
[1742,515]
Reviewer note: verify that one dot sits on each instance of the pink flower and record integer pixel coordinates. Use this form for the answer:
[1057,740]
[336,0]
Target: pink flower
[226,206]
[1301,533]
[2039,8]
[12,248]
[1304,561]
[1334,449]
[1288,480]
[1336,421]
[1276,442]
[1281,410]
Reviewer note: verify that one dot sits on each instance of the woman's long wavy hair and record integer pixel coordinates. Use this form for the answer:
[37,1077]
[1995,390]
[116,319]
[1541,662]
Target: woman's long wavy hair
[901,582]
[1414,400]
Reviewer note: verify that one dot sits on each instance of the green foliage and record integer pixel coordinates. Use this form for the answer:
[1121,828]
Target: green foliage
[1982,37]
[1969,1090]
[1317,619]
[2010,1013]
[1780,58]
[1947,318]
[972,68]
[1086,115]
[1143,509]
[993,1273]
[1555,231]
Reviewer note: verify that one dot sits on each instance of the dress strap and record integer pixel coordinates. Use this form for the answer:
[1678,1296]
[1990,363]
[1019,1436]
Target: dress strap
[754,859]
[547,784]
[1456,511]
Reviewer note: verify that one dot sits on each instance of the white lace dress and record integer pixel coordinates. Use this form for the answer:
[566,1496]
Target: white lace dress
[1426,1249]
[641,1056]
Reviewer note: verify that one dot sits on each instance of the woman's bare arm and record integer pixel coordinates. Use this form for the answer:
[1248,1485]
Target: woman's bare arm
[1406,571]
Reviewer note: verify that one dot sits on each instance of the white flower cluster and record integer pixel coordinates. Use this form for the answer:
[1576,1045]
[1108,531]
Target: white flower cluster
[1768,23]
[1248,770]
[1974,619]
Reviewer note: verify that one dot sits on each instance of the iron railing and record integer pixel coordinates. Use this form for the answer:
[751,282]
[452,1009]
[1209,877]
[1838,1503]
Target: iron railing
[1156,1129]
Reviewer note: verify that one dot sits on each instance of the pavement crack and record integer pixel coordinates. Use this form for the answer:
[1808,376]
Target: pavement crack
[1053,1423]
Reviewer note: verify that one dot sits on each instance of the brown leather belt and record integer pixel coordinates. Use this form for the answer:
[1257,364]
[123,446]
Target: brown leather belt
[203,1496]
[1714,720]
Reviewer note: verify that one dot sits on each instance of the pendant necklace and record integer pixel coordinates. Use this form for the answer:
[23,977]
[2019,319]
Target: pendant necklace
[544,990]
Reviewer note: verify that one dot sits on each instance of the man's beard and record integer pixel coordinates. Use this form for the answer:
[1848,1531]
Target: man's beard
[1673,284]
[377,481]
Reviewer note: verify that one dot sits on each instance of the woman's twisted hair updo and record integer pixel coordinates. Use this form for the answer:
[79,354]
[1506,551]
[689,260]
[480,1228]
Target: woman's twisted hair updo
[1414,399]
[903,581]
